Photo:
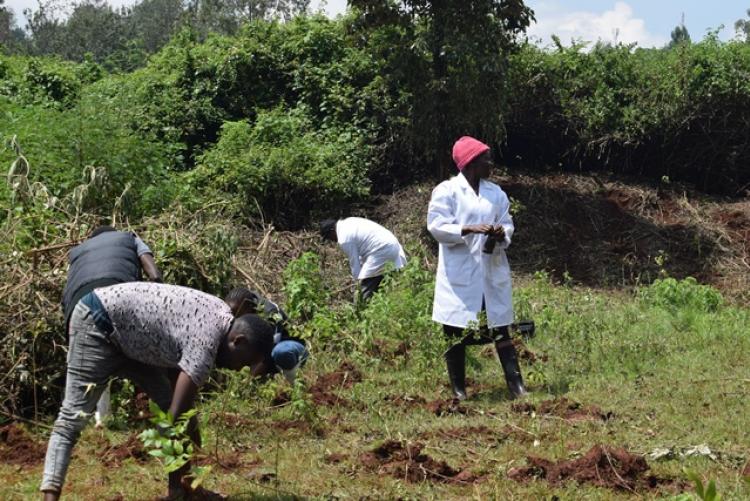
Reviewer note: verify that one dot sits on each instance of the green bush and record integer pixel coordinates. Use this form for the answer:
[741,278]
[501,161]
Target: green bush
[674,294]
[285,166]
[678,113]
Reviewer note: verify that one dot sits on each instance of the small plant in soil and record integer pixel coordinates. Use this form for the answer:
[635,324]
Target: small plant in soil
[170,443]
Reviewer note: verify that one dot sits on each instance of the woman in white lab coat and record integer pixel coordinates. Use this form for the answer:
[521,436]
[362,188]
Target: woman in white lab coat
[470,218]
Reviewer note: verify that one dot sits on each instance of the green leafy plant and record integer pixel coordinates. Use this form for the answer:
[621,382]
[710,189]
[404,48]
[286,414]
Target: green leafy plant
[169,442]
[705,492]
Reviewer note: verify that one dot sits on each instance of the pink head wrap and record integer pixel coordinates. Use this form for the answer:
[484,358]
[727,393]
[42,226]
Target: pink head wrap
[467,149]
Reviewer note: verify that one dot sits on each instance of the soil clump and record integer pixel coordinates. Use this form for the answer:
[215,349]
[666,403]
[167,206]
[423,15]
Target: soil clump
[132,447]
[602,466]
[408,462]
[447,407]
[408,401]
[17,447]
[565,409]
[346,376]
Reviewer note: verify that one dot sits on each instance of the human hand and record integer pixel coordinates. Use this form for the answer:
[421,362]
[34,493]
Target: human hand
[497,233]
[476,228]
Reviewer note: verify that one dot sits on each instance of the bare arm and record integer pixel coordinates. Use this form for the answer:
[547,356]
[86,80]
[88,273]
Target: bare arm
[149,266]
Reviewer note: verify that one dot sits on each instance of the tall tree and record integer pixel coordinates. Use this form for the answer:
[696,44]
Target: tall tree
[680,34]
[153,22]
[465,45]
[227,16]
[46,28]
[93,27]
[743,27]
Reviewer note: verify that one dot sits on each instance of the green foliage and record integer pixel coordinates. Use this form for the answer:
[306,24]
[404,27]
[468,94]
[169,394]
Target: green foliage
[304,288]
[704,492]
[170,442]
[648,112]
[674,294]
[285,167]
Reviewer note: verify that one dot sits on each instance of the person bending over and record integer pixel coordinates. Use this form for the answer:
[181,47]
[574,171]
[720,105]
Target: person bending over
[369,248]
[289,353]
[107,257]
[140,330]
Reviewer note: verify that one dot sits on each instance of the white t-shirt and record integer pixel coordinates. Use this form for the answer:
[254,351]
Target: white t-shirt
[368,246]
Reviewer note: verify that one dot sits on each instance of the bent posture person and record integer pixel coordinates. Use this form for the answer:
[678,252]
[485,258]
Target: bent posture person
[289,353]
[139,330]
[369,248]
[470,218]
[108,257]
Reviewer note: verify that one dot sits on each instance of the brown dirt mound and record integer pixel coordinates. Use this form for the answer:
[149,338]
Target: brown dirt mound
[602,466]
[746,470]
[563,408]
[281,398]
[115,455]
[346,376]
[447,407]
[17,447]
[406,461]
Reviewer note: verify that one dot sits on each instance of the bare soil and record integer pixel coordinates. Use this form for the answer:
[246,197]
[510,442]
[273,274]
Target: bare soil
[19,448]
[447,407]
[346,376]
[115,455]
[408,462]
[602,466]
[563,408]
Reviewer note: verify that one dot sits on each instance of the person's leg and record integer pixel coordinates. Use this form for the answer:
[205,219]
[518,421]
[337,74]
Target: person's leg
[152,380]
[506,352]
[455,358]
[369,286]
[92,359]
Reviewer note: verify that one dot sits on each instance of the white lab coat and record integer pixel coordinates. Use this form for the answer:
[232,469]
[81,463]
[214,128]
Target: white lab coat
[465,274]
[369,247]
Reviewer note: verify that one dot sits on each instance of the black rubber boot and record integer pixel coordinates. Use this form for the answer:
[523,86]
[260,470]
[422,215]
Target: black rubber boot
[506,352]
[455,358]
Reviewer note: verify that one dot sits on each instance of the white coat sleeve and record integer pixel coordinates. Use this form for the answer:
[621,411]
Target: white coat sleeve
[352,254]
[505,220]
[441,218]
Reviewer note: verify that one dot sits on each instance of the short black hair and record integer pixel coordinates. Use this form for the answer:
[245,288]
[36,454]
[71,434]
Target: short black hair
[101,229]
[242,296]
[257,331]
[327,227]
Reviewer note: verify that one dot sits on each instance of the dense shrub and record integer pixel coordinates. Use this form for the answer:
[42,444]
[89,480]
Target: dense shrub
[674,294]
[285,166]
[680,113]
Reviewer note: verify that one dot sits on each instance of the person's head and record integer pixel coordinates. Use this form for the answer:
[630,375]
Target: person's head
[242,301]
[101,229]
[248,344]
[328,229]
[472,157]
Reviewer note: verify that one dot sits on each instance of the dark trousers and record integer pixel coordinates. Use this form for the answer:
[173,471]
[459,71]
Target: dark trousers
[369,286]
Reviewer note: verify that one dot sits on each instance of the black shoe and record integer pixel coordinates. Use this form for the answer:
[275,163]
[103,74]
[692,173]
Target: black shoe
[506,352]
[455,358]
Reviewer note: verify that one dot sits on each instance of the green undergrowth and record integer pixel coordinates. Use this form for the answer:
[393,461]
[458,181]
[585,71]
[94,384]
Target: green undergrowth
[668,365]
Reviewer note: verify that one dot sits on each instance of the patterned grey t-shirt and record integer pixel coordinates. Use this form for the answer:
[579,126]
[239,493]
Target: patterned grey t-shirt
[167,325]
